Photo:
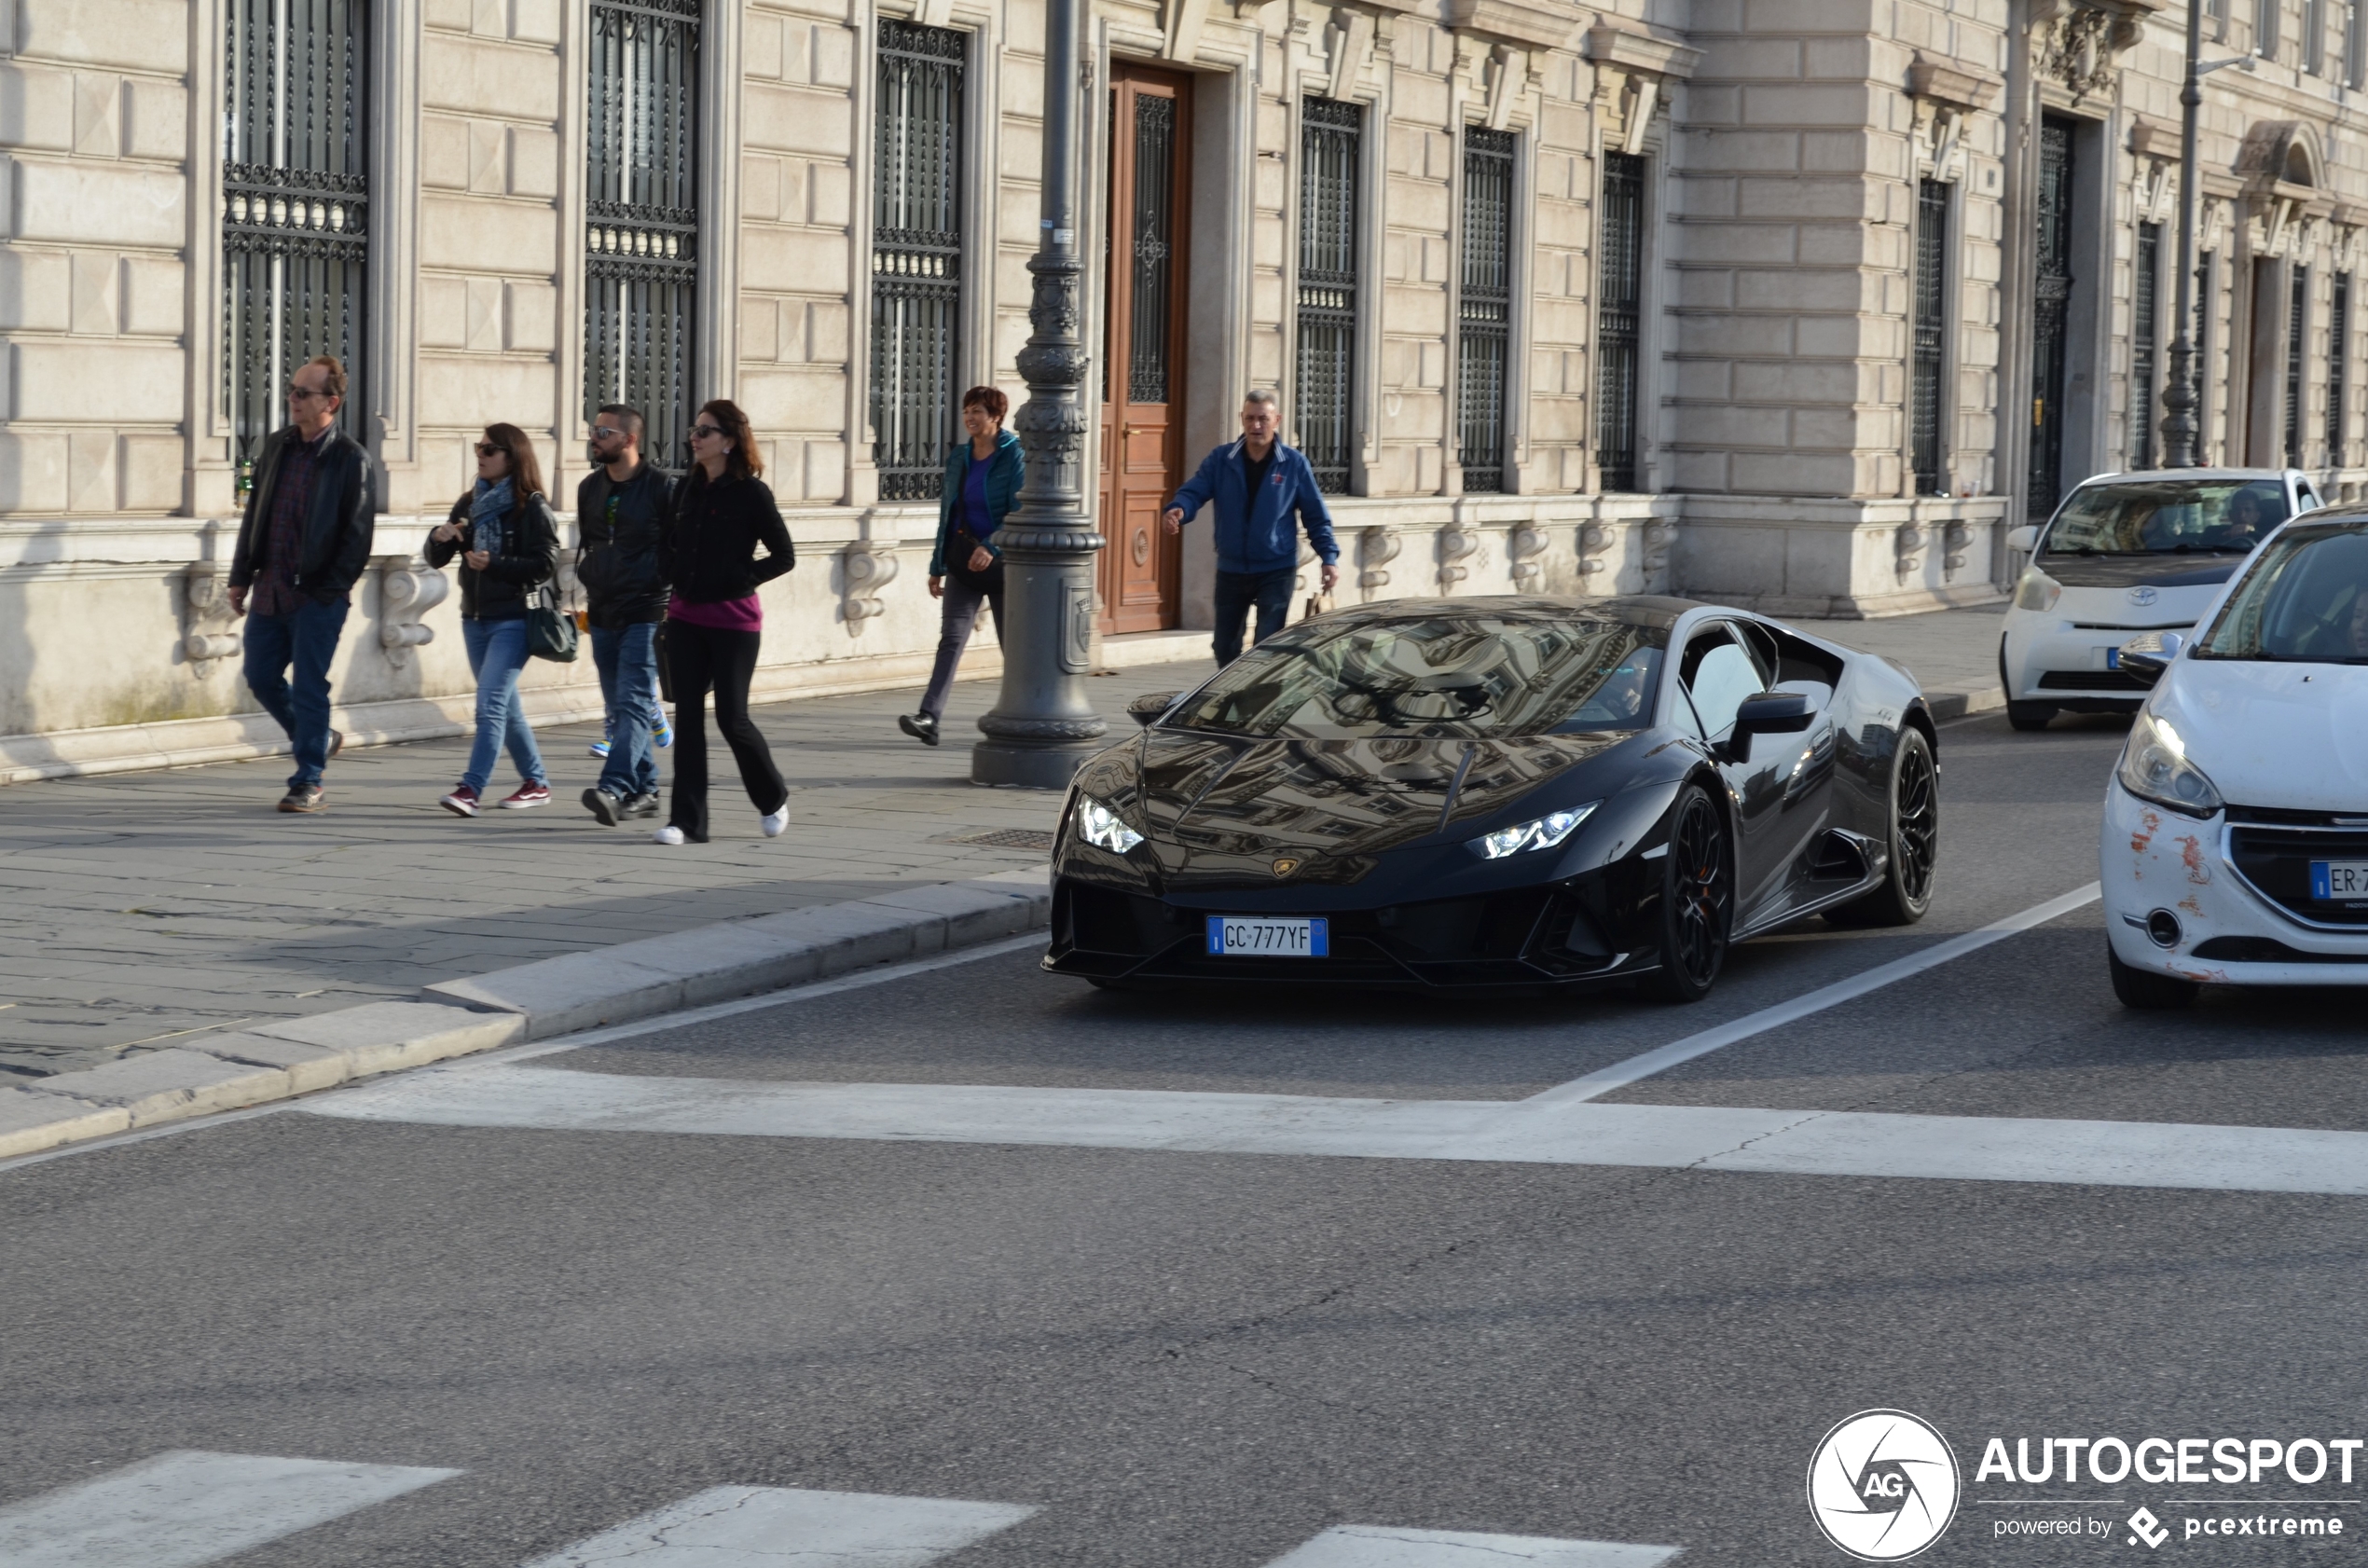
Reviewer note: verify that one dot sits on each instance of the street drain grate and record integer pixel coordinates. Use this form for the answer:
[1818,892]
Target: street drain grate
[1007,838]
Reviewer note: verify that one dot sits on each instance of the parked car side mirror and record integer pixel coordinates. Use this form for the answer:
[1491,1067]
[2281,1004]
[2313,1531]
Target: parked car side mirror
[1766,713]
[1147,709]
[2024,539]
[2150,652]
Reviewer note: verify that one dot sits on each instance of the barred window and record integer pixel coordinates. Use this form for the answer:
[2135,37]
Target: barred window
[1330,135]
[1619,285]
[1486,313]
[642,248]
[1928,353]
[917,257]
[2297,312]
[2338,353]
[295,208]
[2144,316]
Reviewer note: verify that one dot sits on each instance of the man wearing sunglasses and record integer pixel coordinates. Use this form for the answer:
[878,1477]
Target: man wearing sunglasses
[620,508]
[302,545]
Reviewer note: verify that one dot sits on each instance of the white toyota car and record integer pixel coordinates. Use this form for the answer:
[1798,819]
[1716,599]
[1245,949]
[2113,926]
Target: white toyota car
[2236,836]
[2127,553]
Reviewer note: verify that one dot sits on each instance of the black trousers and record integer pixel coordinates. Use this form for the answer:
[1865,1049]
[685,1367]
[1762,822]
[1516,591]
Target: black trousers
[700,659]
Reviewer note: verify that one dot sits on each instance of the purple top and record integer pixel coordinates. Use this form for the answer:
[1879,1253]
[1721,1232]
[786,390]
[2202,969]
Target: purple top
[976,518]
[725,615]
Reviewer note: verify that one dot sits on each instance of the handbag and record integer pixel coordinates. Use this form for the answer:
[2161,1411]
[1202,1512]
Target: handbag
[549,634]
[1317,604]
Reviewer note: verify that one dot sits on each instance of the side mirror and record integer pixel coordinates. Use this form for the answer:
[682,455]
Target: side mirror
[2150,652]
[1146,709]
[2024,539]
[1766,713]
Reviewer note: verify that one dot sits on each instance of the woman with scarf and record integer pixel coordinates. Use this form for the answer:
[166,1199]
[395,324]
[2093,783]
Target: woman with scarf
[723,512]
[983,476]
[508,542]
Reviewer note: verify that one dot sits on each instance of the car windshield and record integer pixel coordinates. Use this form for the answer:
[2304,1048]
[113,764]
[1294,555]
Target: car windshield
[1444,677]
[2166,517]
[2305,597]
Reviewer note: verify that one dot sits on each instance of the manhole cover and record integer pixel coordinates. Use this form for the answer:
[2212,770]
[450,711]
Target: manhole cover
[1007,838]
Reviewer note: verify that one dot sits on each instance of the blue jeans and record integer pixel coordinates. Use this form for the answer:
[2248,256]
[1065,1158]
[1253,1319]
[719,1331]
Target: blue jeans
[307,637]
[959,615]
[1236,592]
[497,652]
[626,658]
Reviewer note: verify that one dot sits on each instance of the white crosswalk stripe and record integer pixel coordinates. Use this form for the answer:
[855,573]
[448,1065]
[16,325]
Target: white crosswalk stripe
[1714,1138]
[184,1508]
[779,1527]
[1365,1545]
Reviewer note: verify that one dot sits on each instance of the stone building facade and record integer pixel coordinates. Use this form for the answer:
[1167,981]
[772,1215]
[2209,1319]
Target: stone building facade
[1798,303]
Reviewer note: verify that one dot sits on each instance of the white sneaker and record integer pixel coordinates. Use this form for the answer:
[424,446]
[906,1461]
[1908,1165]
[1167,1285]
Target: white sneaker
[667,835]
[773,822]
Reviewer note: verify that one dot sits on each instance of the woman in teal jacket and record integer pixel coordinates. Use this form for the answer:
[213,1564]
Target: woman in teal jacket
[982,486]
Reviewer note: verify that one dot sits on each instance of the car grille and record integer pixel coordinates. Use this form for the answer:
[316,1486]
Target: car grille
[2275,860]
[2093,680]
[2266,950]
[2286,817]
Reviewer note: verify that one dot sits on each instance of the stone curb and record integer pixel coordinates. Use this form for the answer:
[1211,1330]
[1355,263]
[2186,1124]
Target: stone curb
[1946,705]
[633,980]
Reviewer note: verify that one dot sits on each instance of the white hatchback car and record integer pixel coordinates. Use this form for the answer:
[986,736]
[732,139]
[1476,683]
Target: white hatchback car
[2236,836]
[2127,553]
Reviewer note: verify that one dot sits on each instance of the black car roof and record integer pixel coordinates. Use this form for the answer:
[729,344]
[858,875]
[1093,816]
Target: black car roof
[1657,610]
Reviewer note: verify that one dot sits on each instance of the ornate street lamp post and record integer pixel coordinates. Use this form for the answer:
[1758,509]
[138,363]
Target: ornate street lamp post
[1043,726]
[2182,429]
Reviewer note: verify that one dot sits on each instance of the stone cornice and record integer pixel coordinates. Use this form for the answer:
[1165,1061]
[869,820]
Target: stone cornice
[1953,83]
[1545,24]
[1628,49]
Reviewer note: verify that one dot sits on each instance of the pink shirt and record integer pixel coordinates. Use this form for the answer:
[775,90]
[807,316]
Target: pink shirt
[728,614]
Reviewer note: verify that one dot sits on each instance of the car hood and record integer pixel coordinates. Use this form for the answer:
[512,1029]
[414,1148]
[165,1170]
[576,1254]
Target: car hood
[2136,572]
[1222,807]
[2273,735]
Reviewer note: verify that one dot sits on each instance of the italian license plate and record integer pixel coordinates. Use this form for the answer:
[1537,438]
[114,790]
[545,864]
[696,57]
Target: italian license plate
[1259,936]
[2340,879]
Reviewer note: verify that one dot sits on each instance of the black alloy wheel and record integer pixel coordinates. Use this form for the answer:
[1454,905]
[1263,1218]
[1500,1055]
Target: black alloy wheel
[1914,842]
[1698,900]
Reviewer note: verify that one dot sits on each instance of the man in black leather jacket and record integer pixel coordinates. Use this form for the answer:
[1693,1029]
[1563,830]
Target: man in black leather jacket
[620,509]
[302,545]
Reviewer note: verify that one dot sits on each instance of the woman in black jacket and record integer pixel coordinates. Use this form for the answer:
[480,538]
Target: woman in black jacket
[507,541]
[722,513]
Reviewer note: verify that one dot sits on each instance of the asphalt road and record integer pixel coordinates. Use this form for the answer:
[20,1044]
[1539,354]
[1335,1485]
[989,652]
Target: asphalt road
[1170,1358]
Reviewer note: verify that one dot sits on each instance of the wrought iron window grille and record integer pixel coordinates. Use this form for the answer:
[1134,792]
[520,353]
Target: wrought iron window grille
[916,257]
[642,217]
[1619,318]
[1928,362]
[2144,316]
[2338,356]
[1330,135]
[2297,312]
[1485,312]
[2050,315]
[295,209]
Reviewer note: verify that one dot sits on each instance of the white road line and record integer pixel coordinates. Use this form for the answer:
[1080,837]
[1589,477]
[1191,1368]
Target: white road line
[187,1508]
[1518,1131]
[1365,1545]
[1619,1075]
[777,1527]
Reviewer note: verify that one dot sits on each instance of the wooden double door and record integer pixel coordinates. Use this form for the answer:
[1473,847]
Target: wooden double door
[1143,352]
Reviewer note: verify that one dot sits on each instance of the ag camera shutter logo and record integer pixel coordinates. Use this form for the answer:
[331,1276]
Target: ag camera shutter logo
[1883,1485]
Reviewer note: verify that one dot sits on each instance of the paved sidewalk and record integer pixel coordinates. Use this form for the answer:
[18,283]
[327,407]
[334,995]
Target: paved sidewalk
[136,909]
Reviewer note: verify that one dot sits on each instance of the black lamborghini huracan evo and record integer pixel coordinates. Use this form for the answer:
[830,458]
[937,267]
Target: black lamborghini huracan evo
[1499,792]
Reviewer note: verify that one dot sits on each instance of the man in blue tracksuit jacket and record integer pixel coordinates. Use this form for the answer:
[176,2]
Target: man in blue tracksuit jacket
[1258,483]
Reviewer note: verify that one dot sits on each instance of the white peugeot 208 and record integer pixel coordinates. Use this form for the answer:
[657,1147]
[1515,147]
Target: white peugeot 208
[2127,553]
[2236,836]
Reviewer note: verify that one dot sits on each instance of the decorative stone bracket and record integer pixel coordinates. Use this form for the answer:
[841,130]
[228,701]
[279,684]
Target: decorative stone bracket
[1947,92]
[1457,546]
[408,590]
[2281,163]
[1631,69]
[1522,548]
[1954,542]
[1661,536]
[1595,543]
[2078,43]
[864,570]
[1376,548]
[1908,549]
[212,632]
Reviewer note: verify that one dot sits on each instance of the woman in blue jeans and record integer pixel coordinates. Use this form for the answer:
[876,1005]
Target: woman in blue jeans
[983,479]
[508,542]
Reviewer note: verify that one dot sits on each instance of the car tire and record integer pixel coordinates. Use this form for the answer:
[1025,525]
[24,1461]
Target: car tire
[2145,989]
[2030,715]
[1697,906]
[1912,846]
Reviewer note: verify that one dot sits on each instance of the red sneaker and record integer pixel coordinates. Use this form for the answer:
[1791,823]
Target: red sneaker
[462,802]
[526,795]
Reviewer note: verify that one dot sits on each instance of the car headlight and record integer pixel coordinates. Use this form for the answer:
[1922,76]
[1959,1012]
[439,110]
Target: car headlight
[1544,834]
[2037,590]
[2154,767]
[1103,828]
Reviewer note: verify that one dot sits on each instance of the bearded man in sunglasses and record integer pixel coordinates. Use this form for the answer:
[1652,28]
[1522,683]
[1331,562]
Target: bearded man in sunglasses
[621,509]
[302,545]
